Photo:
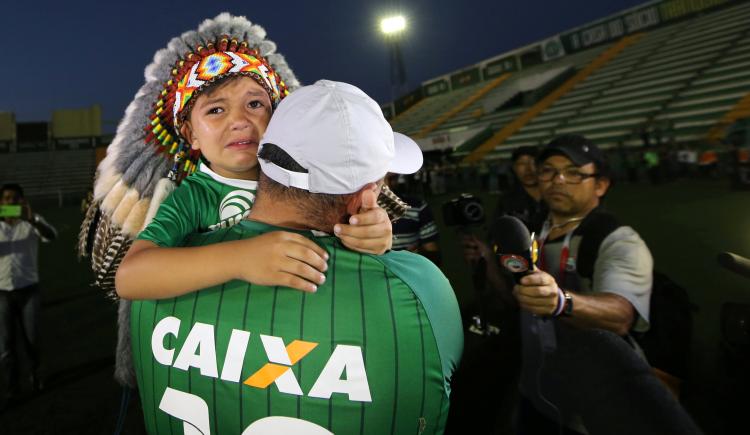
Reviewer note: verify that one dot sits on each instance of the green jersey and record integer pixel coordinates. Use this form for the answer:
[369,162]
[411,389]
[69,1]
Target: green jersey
[371,352]
[204,201]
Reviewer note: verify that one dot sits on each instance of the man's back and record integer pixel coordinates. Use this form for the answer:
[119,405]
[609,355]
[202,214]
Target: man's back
[370,352]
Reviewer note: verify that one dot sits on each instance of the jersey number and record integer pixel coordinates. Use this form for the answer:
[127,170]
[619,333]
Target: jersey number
[193,412]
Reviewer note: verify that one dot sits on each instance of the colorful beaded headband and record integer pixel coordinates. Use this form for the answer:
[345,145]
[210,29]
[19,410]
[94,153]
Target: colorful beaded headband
[190,76]
[218,65]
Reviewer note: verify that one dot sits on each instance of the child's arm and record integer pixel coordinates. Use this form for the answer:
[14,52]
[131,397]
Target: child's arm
[370,231]
[149,271]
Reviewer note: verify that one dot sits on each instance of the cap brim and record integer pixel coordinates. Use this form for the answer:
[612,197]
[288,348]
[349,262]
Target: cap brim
[579,159]
[408,157]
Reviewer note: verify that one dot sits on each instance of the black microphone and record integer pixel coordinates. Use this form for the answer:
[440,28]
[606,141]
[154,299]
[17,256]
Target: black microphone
[513,246]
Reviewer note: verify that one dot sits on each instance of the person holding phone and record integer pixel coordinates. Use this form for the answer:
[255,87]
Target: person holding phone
[20,233]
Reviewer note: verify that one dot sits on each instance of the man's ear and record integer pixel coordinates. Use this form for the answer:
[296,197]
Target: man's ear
[186,131]
[366,198]
[601,186]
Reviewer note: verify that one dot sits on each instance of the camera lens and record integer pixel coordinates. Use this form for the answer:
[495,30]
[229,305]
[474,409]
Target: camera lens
[473,211]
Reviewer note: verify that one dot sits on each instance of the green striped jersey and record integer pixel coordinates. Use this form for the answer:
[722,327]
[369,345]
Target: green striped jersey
[204,201]
[371,352]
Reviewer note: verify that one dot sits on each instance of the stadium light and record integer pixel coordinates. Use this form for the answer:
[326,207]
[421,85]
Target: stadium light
[393,25]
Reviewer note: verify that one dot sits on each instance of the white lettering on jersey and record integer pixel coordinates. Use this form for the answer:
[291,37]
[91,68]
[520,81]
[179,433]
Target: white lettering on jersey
[191,409]
[344,359]
[235,355]
[168,325]
[277,425]
[276,353]
[196,420]
[199,351]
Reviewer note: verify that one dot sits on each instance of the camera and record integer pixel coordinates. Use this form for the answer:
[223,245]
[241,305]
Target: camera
[465,210]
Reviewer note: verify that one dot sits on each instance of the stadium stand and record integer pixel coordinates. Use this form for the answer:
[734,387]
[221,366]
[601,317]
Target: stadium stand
[53,160]
[518,123]
[465,104]
[678,73]
[429,109]
[689,78]
[50,174]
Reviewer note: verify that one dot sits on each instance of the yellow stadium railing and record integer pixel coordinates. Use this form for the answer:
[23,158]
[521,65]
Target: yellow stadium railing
[463,105]
[739,111]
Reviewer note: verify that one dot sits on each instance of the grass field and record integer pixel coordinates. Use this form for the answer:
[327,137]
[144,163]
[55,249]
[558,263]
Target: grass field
[685,224]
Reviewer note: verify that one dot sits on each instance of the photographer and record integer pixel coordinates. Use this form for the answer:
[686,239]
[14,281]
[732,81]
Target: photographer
[595,274]
[524,200]
[20,233]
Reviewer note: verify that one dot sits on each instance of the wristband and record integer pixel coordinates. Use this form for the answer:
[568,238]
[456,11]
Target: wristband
[560,302]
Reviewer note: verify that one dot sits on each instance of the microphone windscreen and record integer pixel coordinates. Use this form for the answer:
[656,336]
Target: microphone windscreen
[511,236]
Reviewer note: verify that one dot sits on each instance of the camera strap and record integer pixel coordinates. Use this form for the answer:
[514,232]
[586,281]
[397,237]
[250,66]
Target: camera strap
[564,252]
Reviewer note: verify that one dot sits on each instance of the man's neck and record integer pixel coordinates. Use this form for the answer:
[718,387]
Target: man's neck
[533,191]
[562,223]
[281,214]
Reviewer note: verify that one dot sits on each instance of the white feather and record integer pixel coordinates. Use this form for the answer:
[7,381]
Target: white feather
[124,208]
[134,223]
[105,181]
[163,188]
[113,198]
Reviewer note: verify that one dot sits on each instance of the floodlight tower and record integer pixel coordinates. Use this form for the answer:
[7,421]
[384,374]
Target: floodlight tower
[393,29]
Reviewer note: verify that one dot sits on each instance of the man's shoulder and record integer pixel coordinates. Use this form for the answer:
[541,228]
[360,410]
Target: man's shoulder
[623,240]
[599,223]
[602,228]
[423,277]
[594,229]
[409,264]
[435,294]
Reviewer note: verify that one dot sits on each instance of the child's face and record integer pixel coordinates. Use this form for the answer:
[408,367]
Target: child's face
[227,124]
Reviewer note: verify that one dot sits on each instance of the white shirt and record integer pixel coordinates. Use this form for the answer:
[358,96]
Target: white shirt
[19,244]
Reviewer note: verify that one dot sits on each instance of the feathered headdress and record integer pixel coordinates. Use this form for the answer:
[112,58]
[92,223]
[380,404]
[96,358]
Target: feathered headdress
[147,157]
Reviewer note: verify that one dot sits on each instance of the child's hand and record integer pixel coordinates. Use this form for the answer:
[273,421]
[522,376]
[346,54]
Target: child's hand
[370,231]
[284,259]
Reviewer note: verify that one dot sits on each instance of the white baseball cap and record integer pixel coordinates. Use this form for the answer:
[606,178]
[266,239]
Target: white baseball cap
[340,136]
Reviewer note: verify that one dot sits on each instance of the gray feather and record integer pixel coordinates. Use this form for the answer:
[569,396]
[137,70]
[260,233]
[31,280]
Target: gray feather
[124,370]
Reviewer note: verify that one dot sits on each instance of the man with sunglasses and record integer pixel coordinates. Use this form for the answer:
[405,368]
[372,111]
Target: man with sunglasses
[593,272]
